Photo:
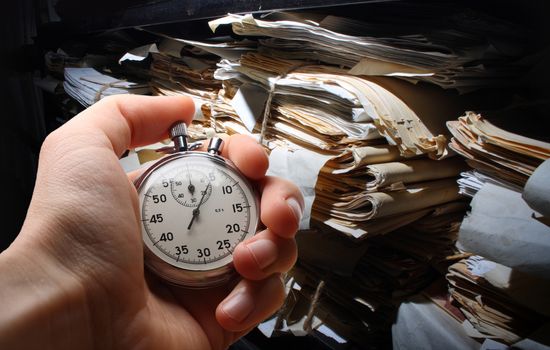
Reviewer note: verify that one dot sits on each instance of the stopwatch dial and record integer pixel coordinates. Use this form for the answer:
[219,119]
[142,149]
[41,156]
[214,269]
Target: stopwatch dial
[187,186]
[199,235]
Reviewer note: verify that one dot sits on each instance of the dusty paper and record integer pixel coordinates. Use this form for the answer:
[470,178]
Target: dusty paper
[368,206]
[249,104]
[537,189]
[301,166]
[358,157]
[392,105]
[385,174]
[487,307]
[300,37]
[501,228]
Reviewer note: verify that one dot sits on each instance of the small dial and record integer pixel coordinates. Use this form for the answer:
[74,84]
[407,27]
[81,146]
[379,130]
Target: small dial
[199,234]
[187,186]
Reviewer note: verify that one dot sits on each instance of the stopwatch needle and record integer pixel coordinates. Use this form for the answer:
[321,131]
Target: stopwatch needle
[196,211]
[191,187]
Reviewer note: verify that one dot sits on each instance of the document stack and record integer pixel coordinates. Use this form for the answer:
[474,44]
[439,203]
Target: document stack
[369,151]
[181,69]
[496,155]
[462,50]
[87,85]
[508,227]
[499,303]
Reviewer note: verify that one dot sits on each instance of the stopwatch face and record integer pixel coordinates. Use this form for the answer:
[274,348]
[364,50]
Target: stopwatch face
[195,209]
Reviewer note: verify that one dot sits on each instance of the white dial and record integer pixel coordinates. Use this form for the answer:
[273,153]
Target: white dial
[195,209]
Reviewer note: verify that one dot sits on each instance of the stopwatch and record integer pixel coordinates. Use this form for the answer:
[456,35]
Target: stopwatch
[196,207]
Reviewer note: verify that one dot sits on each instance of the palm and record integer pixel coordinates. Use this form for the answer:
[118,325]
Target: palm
[185,318]
[176,317]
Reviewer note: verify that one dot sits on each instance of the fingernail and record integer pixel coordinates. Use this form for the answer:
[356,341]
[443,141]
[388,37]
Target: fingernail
[264,252]
[238,306]
[296,208]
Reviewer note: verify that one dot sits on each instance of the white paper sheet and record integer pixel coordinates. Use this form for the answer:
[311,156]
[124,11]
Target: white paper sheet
[301,166]
[420,324]
[249,104]
[501,228]
[139,53]
[537,189]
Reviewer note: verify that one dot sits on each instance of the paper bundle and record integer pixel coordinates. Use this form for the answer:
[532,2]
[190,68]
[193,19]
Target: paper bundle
[87,85]
[503,228]
[497,303]
[506,158]
[323,107]
[179,68]
[362,151]
[353,288]
[378,191]
[459,50]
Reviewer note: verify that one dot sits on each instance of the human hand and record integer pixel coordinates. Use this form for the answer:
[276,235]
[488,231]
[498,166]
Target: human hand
[77,266]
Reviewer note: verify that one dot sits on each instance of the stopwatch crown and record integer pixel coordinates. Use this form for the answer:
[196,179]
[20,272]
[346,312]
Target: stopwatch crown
[178,134]
[178,129]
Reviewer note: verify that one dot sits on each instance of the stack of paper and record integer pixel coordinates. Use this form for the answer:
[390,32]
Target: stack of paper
[499,289]
[87,85]
[353,288]
[323,107]
[498,302]
[460,50]
[379,196]
[502,227]
[370,156]
[182,69]
[497,155]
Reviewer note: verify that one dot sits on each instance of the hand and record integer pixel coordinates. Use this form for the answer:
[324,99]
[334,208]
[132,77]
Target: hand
[74,278]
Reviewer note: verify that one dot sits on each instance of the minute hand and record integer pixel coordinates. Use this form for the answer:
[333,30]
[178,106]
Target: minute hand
[196,211]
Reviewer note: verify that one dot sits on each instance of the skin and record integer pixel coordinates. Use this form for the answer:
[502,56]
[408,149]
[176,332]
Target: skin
[74,277]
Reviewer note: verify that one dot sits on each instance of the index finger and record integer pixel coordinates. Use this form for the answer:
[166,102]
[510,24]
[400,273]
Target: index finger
[129,121]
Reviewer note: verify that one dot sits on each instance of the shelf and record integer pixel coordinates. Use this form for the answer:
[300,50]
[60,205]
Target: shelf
[102,15]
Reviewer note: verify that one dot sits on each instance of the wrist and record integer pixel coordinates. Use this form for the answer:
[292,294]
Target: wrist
[44,305]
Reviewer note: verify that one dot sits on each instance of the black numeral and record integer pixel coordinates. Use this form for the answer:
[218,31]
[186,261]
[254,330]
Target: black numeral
[165,183]
[232,228]
[182,249]
[223,244]
[156,218]
[203,252]
[157,198]
[168,236]
[227,189]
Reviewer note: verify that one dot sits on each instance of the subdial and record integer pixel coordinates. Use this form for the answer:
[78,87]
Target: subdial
[188,187]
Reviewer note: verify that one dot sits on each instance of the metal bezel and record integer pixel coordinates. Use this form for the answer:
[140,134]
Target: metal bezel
[180,276]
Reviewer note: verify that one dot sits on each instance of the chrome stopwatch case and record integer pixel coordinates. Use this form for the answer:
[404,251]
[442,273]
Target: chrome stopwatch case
[196,207]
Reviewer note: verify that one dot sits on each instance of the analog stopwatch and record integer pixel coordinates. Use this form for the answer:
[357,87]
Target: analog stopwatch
[195,208]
